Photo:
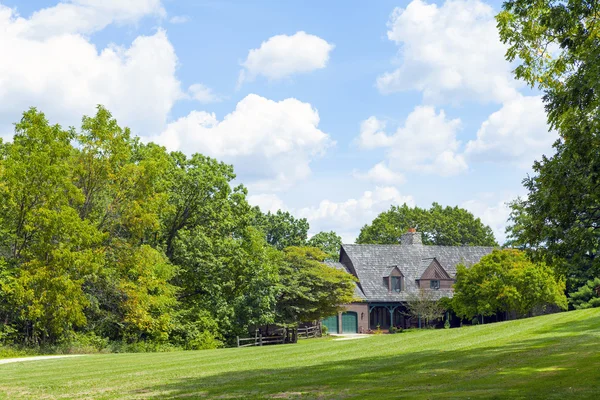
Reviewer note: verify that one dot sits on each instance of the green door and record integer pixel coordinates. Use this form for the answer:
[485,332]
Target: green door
[332,324]
[349,322]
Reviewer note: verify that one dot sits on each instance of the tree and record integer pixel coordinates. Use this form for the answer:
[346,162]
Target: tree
[329,242]
[587,296]
[425,307]
[556,47]
[308,289]
[444,226]
[506,281]
[282,229]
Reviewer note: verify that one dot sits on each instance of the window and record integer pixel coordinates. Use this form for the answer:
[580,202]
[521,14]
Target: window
[396,283]
[434,284]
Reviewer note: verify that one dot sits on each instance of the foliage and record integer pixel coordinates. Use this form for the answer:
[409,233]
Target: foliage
[555,45]
[110,244]
[309,289]
[329,242]
[506,281]
[324,330]
[587,296]
[394,329]
[425,306]
[282,229]
[445,226]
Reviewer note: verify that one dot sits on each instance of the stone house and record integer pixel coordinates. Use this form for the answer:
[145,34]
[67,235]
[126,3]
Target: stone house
[388,274]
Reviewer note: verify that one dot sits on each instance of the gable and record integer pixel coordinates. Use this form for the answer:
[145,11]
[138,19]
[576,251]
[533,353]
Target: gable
[435,271]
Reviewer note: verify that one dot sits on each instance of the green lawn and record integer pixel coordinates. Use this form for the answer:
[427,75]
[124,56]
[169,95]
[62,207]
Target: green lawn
[555,356]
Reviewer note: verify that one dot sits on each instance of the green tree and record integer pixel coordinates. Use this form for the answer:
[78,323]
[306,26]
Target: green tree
[555,45]
[445,226]
[587,296]
[506,281]
[424,306]
[328,242]
[282,229]
[308,289]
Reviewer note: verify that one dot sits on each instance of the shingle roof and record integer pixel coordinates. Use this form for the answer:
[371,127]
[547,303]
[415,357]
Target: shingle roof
[357,292]
[372,262]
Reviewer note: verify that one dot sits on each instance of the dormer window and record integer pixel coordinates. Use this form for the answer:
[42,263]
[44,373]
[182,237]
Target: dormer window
[394,281]
[396,284]
[434,284]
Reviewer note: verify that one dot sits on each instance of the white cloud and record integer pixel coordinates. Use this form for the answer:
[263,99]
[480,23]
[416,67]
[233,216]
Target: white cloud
[517,133]
[270,143]
[380,173]
[492,212]
[84,17]
[347,217]
[282,56]
[426,143]
[65,75]
[267,202]
[179,19]
[203,94]
[450,53]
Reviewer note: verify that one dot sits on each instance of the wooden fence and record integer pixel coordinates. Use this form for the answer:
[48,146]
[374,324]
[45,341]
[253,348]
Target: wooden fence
[279,336]
[260,340]
[309,332]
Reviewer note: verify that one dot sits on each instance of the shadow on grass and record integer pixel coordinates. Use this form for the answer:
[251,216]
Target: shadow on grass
[556,367]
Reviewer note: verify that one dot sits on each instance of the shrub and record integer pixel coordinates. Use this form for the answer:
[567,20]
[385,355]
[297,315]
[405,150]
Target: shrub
[378,331]
[475,321]
[324,330]
[447,324]
[393,329]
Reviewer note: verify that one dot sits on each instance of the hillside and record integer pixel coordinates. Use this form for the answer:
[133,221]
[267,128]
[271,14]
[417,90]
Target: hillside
[554,356]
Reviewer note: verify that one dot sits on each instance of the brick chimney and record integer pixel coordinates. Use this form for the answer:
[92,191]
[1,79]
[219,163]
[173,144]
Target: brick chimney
[411,238]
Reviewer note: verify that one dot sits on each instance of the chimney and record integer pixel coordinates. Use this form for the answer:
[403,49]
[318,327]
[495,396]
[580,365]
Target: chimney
[411,238]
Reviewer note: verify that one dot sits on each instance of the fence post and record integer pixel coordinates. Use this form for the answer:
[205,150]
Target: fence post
[238,340]
[260,338]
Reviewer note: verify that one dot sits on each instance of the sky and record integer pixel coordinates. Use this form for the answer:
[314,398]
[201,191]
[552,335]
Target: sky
[331,110]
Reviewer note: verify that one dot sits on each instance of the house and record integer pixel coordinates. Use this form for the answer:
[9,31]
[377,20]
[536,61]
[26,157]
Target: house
[388,274]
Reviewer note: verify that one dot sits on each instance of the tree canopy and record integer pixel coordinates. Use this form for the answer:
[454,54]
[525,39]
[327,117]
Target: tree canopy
[555,46]
[445,226]
[328,242]
[506,281]
[102,236]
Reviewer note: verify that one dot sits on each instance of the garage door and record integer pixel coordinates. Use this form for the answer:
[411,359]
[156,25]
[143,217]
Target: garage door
[349,322]
[331,323]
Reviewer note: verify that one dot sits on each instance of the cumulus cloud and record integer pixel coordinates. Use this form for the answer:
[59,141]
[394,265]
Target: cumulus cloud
[47,63]
[267,202]
[450,53]
[203,94]
[347,217]
[380,173]
[426,143]
[270,143]
[83,16]
[492,212]
[516,133]
[282,56]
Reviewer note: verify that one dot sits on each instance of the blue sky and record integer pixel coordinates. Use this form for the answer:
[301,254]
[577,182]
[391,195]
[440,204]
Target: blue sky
[346,107]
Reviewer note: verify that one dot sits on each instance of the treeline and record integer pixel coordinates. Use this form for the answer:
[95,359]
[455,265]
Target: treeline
[104,239]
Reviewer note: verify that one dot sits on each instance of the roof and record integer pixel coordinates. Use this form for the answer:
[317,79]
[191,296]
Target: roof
[372,262]
[337,265]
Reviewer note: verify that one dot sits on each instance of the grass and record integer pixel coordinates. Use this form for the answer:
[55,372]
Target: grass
[555,356]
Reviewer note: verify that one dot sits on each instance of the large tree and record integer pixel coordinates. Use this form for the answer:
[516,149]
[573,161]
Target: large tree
[556,47]
[329,242]
[506,281]
[309,289]
[445,226]
[282,229]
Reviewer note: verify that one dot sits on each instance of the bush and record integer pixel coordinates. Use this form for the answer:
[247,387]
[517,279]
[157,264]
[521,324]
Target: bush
[324,330]
[447,324]
[475,321]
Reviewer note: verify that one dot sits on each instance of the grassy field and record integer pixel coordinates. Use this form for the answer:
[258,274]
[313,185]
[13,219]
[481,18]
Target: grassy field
[555,356]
